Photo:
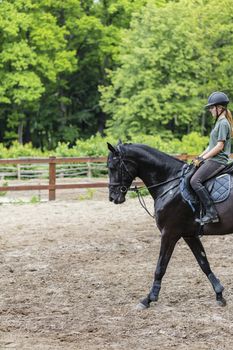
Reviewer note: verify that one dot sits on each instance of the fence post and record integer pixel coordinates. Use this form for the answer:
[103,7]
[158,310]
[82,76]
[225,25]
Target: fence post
[18,172]
[89,170]
[52,178]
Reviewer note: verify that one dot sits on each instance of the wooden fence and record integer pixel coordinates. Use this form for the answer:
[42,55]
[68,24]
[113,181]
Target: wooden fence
[52,186]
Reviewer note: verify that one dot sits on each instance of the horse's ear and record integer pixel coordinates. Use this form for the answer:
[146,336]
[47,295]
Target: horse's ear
[119,142]
[111,148]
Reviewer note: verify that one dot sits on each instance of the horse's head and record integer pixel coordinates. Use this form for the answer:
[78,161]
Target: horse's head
[122,171]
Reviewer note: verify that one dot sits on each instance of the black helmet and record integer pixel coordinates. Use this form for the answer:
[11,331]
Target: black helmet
[217,98]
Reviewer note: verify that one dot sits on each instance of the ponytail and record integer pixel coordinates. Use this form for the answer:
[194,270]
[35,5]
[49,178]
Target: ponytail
[228,115]
[230,119]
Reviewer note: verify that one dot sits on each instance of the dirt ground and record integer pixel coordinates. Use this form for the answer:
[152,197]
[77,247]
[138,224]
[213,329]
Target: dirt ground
[73,271]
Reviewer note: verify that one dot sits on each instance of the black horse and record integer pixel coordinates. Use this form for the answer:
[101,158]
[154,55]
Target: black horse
[174,217]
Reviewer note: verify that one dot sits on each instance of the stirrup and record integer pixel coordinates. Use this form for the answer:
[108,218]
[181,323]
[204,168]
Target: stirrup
[207,221]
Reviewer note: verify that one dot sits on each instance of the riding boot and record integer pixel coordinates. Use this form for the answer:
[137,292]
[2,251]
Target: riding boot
[211,214]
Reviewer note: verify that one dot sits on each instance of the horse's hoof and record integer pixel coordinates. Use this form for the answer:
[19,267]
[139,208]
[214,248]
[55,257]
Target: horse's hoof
[141,307]
[221,302]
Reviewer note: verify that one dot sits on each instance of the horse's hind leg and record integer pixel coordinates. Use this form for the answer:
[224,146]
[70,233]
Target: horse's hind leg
[197,248]
[167,246]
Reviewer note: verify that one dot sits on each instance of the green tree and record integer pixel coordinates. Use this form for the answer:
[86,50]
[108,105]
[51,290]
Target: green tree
[171,59]
[96,36]
[33,53]
[53,56]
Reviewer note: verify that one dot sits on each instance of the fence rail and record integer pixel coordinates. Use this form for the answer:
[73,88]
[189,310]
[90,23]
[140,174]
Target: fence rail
[53,173]
[52,162]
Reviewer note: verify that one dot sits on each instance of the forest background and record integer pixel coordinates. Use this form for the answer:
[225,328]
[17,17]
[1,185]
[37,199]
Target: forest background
[75,73]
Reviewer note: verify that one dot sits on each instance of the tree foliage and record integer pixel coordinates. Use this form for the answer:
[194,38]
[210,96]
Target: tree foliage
[171,59]
[69,67]
[53,56]
[33,54]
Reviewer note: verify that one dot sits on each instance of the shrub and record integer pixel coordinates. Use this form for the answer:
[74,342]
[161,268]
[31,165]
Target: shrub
[96,146]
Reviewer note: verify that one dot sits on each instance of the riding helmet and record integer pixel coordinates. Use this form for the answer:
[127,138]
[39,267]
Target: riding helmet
[217,98]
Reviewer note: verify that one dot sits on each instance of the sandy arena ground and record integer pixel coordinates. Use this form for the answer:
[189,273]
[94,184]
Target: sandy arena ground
[72,272]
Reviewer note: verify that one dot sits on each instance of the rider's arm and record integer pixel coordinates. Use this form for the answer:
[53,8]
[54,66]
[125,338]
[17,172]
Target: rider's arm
[204,152]
[214,151]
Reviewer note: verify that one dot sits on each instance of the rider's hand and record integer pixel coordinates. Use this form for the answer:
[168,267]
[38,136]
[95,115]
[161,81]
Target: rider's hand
[198,161]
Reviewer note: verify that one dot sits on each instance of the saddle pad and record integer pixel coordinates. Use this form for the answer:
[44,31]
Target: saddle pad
[218,188]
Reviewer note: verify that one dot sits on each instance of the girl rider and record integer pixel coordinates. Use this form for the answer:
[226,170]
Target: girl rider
[216,156]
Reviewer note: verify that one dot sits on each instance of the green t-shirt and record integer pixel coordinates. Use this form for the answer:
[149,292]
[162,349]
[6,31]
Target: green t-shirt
[221,132]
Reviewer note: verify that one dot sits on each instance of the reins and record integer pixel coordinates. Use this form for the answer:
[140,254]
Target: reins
[140,197]
[156,185]
[142,201]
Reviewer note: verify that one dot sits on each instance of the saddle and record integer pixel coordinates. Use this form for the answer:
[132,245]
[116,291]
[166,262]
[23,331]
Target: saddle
[219,187]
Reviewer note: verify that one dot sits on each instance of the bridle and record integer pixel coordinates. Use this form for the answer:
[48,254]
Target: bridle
[123,167]
[126,188]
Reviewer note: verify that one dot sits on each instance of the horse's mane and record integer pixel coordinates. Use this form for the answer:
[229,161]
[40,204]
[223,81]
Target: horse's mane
[153,155]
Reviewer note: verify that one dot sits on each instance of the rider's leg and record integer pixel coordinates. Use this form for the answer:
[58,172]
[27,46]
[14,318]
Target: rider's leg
[208,169]
[211,214]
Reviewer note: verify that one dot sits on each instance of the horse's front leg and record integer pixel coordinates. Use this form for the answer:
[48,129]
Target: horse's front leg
[168,242]
[197,248]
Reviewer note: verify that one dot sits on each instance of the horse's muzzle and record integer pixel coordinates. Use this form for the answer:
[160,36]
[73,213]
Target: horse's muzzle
[117,198]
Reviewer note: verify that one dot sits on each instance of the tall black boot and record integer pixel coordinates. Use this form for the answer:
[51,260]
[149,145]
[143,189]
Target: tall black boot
[211,214]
